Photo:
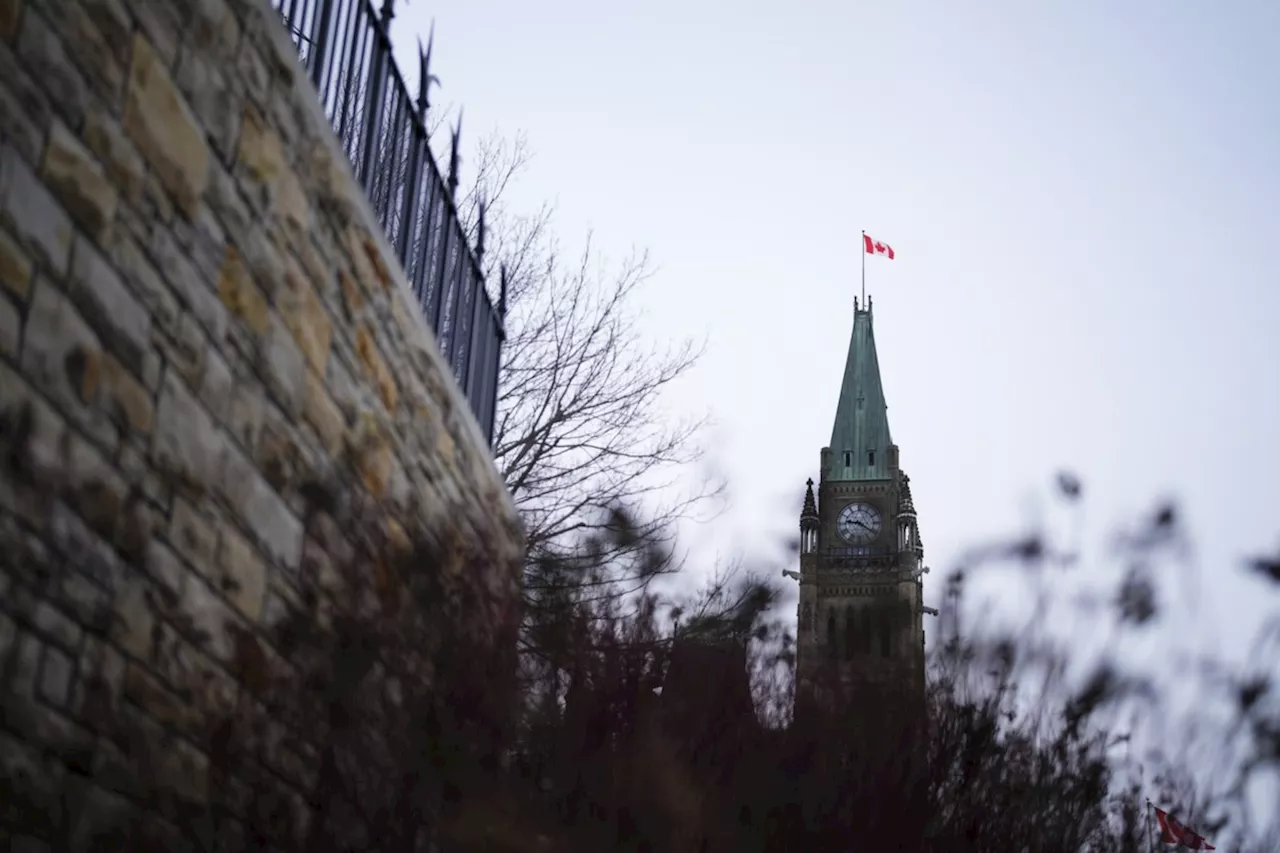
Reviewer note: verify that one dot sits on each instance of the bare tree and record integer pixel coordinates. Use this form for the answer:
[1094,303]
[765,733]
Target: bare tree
[581,433]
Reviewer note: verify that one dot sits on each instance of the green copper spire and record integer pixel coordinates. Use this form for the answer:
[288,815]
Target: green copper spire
[860,442]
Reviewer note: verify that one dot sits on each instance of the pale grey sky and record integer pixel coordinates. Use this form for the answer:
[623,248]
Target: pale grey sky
[1084,199]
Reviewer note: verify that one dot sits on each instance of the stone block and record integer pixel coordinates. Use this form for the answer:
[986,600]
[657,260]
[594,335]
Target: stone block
[55,677]
[375,367]
[134,629]
[113,22]
[248,410]
[164,567]
[241,295]
[163,23]
[127,402]
[306,317]
[213,98]
[15,267]
[264,512]
[85,551]
[24,109]
[55,626]
[281,365]
[186,443]
[192,289]
[61,355]
[92,486]
[324,416]
[120,159]
[264,171]
[142,276]
[242,574]
[45,58]
[194,535]
[98,59]
[79,181]
[163,127]
[215,624]
[84,600]
[32,213]
[100,293]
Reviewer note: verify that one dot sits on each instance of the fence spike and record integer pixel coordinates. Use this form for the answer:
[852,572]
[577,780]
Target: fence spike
[480,238]
[387,13]
[425,77]
[453,156]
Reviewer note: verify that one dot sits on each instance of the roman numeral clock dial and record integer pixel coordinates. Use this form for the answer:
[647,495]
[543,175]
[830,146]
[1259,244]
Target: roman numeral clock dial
[858,523]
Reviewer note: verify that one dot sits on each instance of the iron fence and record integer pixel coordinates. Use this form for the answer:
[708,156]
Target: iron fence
[346,48]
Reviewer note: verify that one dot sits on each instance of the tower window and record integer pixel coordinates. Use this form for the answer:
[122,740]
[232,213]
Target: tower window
[871,457]
[848,459]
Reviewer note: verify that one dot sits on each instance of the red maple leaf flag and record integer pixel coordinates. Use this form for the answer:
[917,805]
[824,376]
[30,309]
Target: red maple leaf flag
[875,247]
[1172,832]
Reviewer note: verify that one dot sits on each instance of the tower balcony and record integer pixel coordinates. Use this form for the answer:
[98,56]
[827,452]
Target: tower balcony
[859,557]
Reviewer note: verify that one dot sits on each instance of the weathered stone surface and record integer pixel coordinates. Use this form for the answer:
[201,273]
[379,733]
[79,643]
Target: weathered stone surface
[163,127]
[84,550]
[120,159]
[60,353]
[193,535]
[32,213]
[113,22]
[306,317]
[158,300]
[214,621]
[45,58]
[263,167]
[213,99]
[324,415]
[210,389]
[242,574]
[15,267]
[127,403]
[376,369]
[282,366]
[187,445]
[111,308]
[240,295]
[24,108]
[79,181]
[246,415]
[96,57]
[55,677]
[186,282]
[262,510]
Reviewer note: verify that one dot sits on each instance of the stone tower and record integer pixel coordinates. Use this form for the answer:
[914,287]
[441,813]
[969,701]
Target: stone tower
[860,618]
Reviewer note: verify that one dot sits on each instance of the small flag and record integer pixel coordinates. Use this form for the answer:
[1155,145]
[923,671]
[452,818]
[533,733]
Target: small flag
[1172,832]
[875,247]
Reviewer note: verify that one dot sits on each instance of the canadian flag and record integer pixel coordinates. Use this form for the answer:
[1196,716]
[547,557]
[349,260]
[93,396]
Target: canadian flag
[875,247]
[1172,832]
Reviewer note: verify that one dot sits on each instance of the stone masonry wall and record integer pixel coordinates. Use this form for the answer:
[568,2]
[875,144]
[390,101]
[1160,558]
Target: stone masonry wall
[201,329]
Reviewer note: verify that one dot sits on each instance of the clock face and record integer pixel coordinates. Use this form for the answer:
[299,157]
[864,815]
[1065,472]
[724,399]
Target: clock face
[859,523]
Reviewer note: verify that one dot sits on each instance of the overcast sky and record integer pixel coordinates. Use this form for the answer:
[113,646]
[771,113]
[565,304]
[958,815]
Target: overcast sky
[1084,199]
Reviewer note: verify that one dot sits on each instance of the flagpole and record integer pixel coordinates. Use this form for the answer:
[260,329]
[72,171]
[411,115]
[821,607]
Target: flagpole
[1151,844]
[864,269]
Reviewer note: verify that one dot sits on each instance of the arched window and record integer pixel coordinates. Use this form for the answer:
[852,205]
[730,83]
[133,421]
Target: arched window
[806,619]
[849,628]
[831,634]
[886,633]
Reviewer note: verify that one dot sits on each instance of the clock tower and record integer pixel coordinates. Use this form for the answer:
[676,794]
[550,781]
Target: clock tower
[860,619]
